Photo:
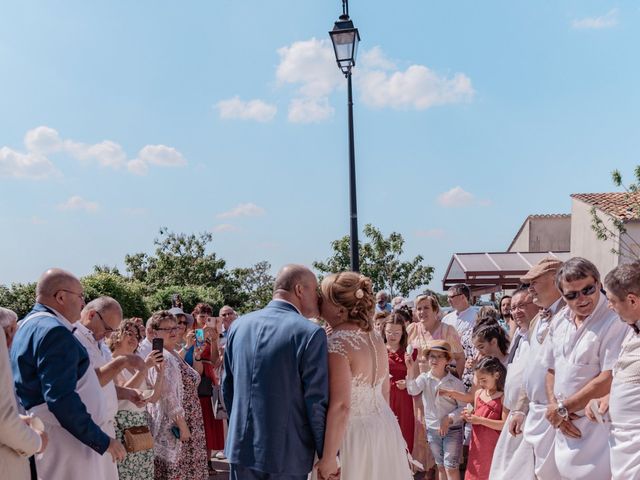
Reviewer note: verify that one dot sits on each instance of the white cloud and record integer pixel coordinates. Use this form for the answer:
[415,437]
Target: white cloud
[417,87]
[162,156]
[310,64]
[308,110]
[30,165]
[225,227]
[375,59]
[243,210]
[43,141]
[458,197]
[257,110]
[78,203]
[431,233]
[608,20]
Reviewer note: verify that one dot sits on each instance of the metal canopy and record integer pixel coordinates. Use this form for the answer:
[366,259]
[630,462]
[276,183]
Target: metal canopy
[493,271]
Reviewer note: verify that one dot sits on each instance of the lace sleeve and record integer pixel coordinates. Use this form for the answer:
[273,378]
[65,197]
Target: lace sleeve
[344,341]
[170,402]
[336,345]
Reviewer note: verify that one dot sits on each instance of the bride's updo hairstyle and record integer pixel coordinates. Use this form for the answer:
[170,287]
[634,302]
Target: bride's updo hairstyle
[354,292]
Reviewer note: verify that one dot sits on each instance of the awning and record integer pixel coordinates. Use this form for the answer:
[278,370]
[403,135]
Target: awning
[493,271]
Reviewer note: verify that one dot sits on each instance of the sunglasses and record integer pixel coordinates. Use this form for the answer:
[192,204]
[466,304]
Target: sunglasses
[586,291]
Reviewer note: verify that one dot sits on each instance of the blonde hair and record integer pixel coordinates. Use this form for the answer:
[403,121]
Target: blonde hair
[430,299]
[115,339]
[354,292]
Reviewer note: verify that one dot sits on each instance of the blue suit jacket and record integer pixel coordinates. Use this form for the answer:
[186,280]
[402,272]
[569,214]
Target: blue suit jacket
[276,390]
[47,362]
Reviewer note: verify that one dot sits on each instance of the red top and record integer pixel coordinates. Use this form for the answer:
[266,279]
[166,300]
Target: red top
[399,400]
[483,440]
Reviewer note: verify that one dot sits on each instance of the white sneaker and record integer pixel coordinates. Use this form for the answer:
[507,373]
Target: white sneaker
[220,455]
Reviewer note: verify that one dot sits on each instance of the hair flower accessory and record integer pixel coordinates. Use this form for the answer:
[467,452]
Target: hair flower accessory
[359,293]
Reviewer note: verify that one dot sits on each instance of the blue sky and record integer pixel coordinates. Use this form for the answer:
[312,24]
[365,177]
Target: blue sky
[230,116]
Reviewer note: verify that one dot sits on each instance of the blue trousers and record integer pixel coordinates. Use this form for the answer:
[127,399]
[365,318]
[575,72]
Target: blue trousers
[238,472]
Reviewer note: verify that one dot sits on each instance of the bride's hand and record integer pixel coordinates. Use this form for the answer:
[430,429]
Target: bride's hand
[327,468]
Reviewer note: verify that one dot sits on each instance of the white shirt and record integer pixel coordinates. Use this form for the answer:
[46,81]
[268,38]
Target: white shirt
[579,354]
[436,407]
[515,372]
[144,348]
[99,356]
[462,321]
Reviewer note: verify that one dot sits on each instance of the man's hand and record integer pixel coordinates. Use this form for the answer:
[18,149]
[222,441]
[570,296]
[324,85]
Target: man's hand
[569,429]
[135,362]
[134,396]
[116,450]
[553,416]
[603,407]
[515,425]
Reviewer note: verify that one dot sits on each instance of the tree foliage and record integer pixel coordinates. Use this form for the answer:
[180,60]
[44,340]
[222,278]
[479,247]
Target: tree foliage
[615,228]
[179,259]
[160,299]
[380,260]
[129,293]
[254,285]
[20,297]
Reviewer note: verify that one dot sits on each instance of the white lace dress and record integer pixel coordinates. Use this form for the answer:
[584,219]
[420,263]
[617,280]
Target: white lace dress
[373,447]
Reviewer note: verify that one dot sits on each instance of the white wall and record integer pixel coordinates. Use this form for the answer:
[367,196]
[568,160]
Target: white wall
[584,242]
[550,234]
[521,242]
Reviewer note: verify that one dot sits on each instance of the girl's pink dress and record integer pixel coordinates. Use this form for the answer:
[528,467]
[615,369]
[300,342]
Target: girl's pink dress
[483,440]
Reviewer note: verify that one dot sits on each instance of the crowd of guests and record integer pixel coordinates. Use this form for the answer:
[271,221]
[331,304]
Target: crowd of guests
[544,386]
[109,398]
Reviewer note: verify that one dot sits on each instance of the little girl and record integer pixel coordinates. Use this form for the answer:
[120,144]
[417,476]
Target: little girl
[487,418]
[443,416]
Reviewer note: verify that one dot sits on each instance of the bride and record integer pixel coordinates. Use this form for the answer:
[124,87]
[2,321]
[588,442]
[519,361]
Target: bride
[360,424]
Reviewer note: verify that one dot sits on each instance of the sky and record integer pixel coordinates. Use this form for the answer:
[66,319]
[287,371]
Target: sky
[230,116]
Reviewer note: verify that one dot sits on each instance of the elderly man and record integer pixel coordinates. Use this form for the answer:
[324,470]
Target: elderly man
[276,383]
[54,380]
[585,345]
[538,435]
[98,319]
[228,315]
[382,302]
[623,292]
[509,460]
[18,440]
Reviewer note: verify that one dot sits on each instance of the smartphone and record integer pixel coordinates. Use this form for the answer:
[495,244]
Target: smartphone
[157,344]
[199,337]
[176,431]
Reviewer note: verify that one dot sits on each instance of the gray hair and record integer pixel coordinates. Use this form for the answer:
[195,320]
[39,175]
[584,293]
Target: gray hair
[102,304]
[624,279]
[576,268]
[7,317]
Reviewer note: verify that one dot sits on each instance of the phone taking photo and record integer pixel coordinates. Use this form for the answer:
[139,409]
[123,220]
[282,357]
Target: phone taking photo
[157,344]
[199,337]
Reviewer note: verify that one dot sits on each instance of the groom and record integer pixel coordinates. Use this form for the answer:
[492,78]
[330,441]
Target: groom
[276,383]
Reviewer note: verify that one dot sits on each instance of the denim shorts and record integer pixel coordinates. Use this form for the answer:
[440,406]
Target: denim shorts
[446,450]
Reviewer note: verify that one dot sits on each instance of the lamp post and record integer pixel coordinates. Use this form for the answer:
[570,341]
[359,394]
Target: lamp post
[345,38]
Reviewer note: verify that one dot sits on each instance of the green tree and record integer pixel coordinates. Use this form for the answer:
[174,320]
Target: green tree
[129,293]
[191,295]
[179,259]
[615,228]
[20,297]
[254,285]
[380,260]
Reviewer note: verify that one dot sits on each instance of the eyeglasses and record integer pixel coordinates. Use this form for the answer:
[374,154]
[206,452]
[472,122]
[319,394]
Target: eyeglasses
[228,314]
[586,291]
[79,295]
[170,329]
[183,323]
[454,296]
[519,306]
[106,327]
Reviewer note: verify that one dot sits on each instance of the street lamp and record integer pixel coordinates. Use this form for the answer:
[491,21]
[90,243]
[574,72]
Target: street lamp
[345,38]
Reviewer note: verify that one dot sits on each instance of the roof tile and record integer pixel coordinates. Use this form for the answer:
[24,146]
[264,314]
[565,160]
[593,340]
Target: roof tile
[622,205]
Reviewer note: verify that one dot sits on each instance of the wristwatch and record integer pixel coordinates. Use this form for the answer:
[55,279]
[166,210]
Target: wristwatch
[562,411]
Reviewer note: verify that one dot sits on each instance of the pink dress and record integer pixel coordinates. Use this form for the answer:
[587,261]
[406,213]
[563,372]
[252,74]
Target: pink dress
[483,440]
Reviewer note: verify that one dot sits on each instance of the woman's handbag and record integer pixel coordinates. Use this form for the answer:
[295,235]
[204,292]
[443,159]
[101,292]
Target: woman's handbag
[219,410]
[137,439]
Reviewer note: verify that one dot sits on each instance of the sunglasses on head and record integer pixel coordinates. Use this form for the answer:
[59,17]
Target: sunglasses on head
[586,291]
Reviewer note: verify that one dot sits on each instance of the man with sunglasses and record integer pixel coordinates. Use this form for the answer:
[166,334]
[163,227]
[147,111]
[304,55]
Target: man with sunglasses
[54,381]
[98,319]
[585,344]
